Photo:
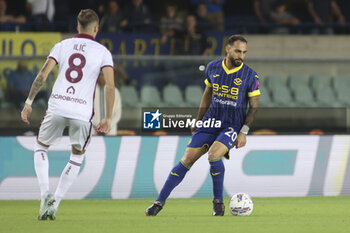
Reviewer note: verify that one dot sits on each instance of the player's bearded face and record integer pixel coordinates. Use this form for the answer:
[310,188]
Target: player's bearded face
[237,52]
[235,61]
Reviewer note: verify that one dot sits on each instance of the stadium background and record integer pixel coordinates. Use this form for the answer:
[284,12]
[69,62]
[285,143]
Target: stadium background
[304,82]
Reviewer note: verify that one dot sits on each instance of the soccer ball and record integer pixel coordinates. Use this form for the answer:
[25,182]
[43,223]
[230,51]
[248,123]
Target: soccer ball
[241,204]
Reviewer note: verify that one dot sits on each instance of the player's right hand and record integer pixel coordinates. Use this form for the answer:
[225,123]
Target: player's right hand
[241,140]
[104,126]
[25,114]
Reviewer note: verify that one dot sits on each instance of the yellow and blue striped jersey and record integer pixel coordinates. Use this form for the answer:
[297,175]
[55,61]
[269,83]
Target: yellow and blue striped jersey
[231,89]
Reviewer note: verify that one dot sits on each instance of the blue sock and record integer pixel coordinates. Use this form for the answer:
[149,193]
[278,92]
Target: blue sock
[217,171]
[175,177]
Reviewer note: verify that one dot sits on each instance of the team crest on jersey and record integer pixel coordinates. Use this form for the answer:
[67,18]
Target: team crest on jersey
[70,90]
[237,81]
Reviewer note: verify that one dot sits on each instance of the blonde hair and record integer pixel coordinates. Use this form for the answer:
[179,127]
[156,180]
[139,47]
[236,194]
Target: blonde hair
[87,17]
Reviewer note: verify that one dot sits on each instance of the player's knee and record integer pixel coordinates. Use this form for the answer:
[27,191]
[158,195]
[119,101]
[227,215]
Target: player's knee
[77,152]
[39,143]
[191,156]
[213,155]
[40,147]
[188,161]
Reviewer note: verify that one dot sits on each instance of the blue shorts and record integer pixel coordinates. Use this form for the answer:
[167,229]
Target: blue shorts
[227,137]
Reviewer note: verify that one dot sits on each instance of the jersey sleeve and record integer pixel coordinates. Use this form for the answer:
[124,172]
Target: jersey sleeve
[107,59]
[207,80]
[55,52]
[253,88]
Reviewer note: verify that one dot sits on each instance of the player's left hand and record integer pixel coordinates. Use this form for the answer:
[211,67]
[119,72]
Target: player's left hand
[241,140]
[25,114]
[104,126]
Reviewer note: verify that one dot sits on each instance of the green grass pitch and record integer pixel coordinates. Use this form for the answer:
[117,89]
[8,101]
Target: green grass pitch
[270,215]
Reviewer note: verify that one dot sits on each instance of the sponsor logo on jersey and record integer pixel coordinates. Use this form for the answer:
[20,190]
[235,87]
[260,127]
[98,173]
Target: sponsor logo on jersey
[225,102]
[68,98]
[216,75]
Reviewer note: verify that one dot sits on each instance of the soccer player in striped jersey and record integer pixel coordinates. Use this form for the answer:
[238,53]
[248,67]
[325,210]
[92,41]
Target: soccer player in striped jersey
[230,86]
[80,59]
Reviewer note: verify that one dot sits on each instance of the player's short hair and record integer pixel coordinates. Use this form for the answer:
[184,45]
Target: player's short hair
[86,17]
[233,38]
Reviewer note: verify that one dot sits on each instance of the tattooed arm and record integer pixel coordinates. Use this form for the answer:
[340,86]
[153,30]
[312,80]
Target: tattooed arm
[252,111]
[36,86]
[41,78]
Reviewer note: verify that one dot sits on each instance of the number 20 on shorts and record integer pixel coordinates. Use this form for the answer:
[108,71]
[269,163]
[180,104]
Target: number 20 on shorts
[231,134]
